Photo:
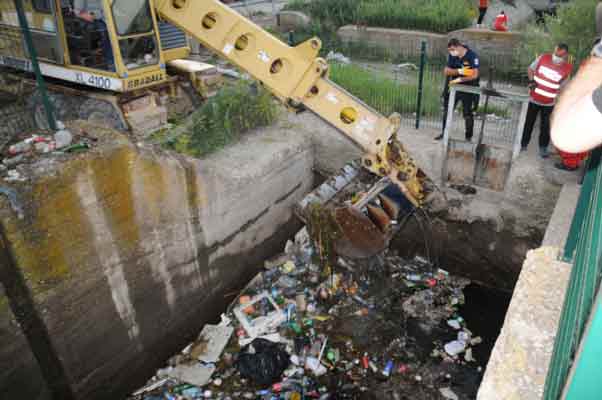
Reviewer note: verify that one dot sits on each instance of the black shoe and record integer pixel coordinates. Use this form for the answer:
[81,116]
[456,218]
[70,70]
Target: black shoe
[469,139]
[564,167]
[439,137]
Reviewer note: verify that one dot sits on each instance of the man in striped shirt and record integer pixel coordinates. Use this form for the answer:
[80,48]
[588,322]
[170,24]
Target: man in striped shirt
[547,74]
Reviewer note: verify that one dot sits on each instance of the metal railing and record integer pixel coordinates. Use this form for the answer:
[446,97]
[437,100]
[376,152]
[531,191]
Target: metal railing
[574,369]
[411,84]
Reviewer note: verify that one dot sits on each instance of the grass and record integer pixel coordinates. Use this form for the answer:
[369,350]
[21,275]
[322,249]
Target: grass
[430,15]
[387,95]
[222,120]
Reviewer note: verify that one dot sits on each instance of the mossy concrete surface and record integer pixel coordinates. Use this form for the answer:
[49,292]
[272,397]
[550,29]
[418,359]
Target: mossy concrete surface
[127,250]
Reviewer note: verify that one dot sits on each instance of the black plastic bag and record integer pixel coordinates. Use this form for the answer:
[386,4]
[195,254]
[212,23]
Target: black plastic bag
[263,362]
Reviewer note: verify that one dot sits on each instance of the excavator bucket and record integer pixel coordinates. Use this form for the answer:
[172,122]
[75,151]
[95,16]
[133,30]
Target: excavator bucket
[364,227]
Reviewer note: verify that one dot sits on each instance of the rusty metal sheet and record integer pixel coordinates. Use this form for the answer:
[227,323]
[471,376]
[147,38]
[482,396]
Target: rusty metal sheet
[493,167]
[460,162]
[490,169]
[360,237]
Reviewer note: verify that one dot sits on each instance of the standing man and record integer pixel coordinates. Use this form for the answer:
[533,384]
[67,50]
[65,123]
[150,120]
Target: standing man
[547,74]
[483,4]
[462,67]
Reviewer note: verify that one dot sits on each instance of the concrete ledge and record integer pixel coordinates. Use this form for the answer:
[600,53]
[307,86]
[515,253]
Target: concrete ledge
[291,20]
[519,362]
[560,223]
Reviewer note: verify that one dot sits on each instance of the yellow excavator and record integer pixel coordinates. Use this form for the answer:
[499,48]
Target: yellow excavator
[127,53]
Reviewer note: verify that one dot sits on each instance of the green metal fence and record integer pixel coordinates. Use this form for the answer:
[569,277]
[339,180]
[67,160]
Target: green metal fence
[574,367]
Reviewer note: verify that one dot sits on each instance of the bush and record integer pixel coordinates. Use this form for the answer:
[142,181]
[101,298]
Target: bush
[430,15]
[574,24]
[223,118]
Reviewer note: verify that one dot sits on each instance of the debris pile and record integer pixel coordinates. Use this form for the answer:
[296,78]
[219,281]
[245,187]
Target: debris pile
[31,147]
[384,328]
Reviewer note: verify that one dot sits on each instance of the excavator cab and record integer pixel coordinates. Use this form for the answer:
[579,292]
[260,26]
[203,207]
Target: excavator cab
[118,36]
[115,45]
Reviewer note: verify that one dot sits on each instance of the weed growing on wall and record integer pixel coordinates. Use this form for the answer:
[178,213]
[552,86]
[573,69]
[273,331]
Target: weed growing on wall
[225,117]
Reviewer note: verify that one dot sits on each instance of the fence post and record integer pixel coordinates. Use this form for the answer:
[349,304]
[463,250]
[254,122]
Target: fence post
[420,82]
[34,64]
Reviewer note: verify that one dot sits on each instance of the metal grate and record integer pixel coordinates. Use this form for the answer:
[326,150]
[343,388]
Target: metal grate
[171,36]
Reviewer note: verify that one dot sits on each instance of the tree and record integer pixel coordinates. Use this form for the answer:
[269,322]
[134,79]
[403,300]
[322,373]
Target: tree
[573,24]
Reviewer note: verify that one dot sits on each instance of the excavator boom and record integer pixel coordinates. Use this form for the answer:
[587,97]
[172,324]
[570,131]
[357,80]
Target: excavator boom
[299,78]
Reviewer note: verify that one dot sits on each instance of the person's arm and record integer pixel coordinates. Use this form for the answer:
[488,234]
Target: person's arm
[532,68]
[577,118]
[473,73]
[447,71]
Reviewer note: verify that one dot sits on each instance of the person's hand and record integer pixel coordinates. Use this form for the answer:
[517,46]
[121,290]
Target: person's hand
[465,71]
[455,81]
[532,84]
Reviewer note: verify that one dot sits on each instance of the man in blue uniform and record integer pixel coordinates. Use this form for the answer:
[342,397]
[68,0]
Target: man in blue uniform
[462,67]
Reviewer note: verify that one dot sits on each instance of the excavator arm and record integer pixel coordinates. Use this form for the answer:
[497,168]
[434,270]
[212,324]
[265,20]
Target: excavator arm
[299,78]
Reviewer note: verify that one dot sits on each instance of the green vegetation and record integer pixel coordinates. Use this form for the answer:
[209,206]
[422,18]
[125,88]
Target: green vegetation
[223,119]
[574,24]
[387,95]
[430,15]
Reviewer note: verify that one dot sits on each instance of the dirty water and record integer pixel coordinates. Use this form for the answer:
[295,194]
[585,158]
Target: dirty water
[381,329]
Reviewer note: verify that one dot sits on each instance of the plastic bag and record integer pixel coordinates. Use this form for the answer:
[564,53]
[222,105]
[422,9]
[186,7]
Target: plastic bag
[263,361]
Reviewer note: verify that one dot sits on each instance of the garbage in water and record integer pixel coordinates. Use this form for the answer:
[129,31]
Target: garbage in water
[28,148]
[263,361]
[382,328]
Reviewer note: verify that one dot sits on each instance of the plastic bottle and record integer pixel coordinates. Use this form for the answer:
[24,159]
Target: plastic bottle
[373,367]
[365,361]
[20,147]
[388,368]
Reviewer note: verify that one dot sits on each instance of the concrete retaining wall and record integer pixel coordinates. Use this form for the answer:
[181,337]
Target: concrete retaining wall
[16,118]
[126,253]
[396,41]
[494,48]
[520,359]
[489,44]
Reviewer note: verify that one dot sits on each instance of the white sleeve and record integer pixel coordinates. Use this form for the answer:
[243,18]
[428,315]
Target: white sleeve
[533,65]
[580,129]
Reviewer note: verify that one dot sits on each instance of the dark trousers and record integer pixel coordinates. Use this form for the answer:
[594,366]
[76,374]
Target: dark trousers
[544,130]
[470,102]
[482,12]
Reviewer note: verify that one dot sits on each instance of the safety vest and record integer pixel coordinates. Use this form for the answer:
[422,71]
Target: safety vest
[548,77]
